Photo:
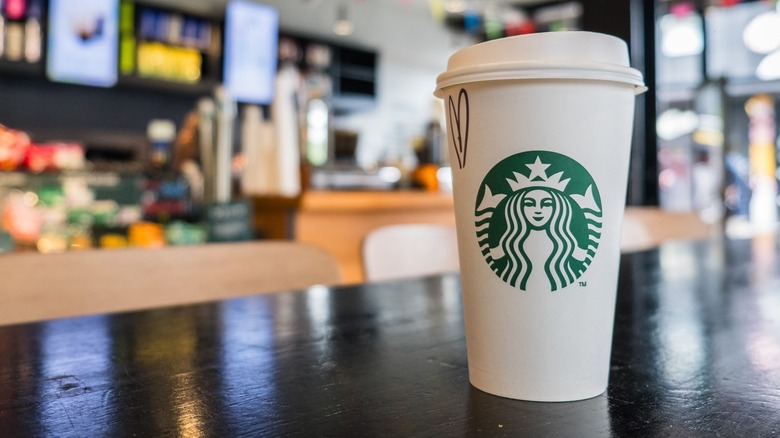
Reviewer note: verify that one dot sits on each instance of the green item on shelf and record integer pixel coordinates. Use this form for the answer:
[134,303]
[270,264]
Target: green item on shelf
[50,195]
[183,233]
[104,212]
[6,242]
[80,216]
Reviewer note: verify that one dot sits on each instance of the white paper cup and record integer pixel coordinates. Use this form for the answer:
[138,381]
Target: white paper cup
[539,131]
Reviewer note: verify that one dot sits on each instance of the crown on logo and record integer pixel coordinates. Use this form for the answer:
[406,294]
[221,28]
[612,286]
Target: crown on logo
[538,178]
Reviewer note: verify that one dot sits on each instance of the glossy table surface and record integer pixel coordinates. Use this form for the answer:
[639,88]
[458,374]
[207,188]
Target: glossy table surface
[696,354]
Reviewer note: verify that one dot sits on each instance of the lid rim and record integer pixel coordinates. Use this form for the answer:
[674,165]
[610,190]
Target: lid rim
[639,87]
[525,70]
[573,55]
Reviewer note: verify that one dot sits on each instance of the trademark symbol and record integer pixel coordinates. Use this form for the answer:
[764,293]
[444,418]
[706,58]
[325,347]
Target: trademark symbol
[583,283]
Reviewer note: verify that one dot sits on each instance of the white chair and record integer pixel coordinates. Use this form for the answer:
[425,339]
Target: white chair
[46,286]
[409,250]
[647,227]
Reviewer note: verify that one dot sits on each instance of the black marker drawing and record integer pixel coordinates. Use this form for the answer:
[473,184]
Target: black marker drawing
[459,124]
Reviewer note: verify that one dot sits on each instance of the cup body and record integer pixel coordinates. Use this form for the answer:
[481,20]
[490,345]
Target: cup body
[539,181]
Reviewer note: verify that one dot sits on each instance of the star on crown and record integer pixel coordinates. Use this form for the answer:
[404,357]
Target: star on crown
[538,178]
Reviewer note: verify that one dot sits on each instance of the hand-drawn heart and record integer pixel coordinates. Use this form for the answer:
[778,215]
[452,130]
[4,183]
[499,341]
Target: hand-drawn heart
[459,125]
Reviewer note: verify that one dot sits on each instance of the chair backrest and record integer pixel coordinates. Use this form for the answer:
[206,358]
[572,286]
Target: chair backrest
[407,250]
[646,227]
[36,286]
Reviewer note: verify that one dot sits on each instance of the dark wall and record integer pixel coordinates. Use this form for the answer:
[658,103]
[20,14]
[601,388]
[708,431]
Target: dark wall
[53,111]
[634,22]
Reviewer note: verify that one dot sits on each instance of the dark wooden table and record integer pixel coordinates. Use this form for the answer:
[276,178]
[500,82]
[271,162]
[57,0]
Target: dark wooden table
[696,354]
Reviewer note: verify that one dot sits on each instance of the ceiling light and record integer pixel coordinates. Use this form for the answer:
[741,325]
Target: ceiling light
[455,6]
[769,67]
[343,26]
[674,123]
[681,35]
[762,34]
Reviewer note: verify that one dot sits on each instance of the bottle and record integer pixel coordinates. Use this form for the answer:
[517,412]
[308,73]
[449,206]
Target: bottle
[32,32]
[14,41]
[2,31]
[175,25]
[225,117]
[161,134]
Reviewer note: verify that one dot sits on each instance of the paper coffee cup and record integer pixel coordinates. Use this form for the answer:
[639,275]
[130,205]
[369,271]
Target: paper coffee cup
[539,130]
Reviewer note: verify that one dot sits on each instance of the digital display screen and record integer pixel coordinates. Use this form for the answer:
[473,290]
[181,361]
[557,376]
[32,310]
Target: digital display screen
[82,42]
[250,58]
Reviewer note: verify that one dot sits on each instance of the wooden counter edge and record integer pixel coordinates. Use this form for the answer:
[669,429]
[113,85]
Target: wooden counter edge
[366,201]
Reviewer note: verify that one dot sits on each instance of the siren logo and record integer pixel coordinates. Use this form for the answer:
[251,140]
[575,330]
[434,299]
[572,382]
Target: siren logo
[538,219]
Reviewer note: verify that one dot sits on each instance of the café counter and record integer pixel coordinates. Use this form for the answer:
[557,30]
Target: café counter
[337,221]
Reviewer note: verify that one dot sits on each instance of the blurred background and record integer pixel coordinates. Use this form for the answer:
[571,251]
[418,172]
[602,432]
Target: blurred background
[162,122]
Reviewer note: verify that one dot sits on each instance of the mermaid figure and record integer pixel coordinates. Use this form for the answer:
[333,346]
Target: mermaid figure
[540,214]
[537,247]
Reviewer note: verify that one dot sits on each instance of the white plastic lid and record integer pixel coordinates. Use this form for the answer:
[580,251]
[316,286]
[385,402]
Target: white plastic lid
[548,55]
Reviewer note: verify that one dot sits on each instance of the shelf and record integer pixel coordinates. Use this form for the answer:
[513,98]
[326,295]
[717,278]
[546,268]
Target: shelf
[345,103]
[195,44]
[21,68]
[205,86]
[733,88]
[675,94]
[352,70]
[749,88]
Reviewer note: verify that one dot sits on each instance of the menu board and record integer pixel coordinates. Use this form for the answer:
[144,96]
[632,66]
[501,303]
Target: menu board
[250,58]
[229,222]
[82,42]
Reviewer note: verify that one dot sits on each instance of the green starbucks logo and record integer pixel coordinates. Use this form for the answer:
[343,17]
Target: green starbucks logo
[538,220]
